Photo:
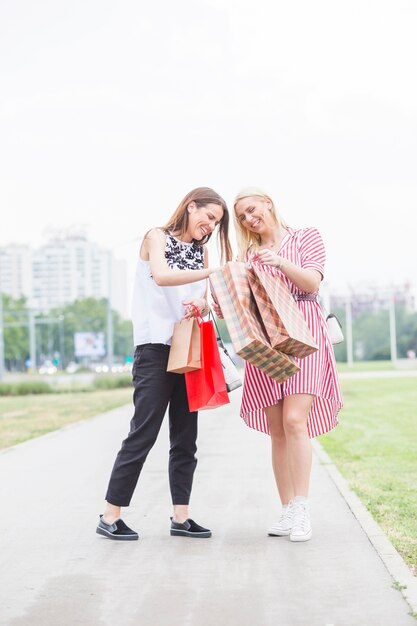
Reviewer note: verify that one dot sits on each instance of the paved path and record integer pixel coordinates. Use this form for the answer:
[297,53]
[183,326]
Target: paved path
[55,571]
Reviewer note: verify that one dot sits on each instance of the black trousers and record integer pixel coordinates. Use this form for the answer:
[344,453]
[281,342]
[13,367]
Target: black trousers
[155,389]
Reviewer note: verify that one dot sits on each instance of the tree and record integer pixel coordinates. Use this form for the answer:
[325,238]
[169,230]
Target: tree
[371,331]
[90,315]
[16,338]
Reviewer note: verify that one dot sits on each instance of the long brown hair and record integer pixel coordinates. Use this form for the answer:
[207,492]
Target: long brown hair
[201,196]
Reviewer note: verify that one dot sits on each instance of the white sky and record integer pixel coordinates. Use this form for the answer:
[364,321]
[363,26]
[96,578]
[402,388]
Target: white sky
[110,112]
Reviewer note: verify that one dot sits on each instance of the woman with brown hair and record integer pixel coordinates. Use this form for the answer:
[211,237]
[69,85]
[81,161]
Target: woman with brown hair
[307,403]
[170,284]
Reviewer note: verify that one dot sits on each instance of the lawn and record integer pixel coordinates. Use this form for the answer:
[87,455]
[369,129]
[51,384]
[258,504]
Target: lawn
[25,417]
[372,366]
[375,448]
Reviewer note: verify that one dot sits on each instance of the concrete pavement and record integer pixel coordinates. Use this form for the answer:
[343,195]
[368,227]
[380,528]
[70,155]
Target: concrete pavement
[55,571]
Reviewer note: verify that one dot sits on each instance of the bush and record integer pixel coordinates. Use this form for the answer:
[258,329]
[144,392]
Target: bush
[382,353]
[113,382]
[6,389]
[24,388]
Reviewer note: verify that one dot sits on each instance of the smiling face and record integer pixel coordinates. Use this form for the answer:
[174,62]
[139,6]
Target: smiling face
[203,220]
[254,214]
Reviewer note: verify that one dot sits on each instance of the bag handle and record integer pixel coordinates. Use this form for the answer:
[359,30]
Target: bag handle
[197,314]
[218,335]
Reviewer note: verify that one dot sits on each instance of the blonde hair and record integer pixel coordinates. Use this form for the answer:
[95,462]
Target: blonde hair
[245,238]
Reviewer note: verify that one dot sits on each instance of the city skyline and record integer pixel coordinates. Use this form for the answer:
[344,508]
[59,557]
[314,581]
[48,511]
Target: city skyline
[64,268]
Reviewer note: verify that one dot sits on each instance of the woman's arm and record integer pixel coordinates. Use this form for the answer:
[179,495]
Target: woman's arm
[162,274]
[305,279]
[200,303]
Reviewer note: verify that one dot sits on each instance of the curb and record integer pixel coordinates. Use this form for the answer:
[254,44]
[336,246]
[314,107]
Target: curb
[396,566]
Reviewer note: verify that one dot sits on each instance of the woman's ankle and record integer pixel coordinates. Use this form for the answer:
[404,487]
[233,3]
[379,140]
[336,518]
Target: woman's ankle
[111,513]
[180,513]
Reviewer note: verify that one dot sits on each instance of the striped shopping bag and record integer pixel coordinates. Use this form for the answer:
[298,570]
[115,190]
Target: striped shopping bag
[284,323]
[232,291]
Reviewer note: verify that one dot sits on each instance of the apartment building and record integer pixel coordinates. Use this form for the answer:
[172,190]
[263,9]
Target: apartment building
[67,267]
[16,270]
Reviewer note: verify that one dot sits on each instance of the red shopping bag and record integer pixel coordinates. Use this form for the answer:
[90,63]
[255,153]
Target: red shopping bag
[206,387]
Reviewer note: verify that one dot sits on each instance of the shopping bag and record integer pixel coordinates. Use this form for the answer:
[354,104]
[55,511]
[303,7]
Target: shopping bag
[247,333]
[284,323]
[206,387]
[184,354]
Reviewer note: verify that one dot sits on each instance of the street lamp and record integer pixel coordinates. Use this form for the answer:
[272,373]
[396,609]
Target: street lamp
[349,338]
[109,313]
[61,340]
[32,340]
[1,338]
[392,328]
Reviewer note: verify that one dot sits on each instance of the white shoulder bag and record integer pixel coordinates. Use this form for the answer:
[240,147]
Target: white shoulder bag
[333,326]
[231,374]
[335,329]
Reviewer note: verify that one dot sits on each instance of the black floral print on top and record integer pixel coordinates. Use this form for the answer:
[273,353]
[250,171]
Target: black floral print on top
[183,256]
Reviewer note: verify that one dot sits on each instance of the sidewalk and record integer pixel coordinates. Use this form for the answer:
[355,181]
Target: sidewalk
[55,571]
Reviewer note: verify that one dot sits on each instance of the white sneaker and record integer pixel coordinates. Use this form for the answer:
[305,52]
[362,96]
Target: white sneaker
[301,525]
[284,524]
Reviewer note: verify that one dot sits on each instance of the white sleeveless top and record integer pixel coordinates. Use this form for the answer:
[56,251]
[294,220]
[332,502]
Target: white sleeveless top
[155,309]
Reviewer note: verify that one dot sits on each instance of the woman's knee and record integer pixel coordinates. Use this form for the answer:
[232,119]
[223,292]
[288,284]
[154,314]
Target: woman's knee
[295,425]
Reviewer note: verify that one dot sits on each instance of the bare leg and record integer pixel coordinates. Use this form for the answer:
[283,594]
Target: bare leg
[280,464]
[111,513]
[180,513]
[295,414]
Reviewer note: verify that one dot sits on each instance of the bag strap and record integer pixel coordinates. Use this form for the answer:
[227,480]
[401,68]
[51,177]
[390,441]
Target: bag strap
[219,338]
[197,314]
[218,335]
[323,308]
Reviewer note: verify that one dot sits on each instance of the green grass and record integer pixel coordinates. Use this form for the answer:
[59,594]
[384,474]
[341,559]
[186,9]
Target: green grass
[113,382]
[375,447]
[377,366]
[365,366]
[25,417]
[26,387]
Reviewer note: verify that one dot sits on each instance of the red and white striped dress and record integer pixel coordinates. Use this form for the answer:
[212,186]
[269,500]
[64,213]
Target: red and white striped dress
[317,375]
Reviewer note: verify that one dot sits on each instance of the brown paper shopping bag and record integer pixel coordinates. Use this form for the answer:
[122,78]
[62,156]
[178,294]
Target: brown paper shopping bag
[283,320]
[232,291]
[184,355]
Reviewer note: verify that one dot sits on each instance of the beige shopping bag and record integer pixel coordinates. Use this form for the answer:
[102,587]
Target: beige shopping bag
[185,352]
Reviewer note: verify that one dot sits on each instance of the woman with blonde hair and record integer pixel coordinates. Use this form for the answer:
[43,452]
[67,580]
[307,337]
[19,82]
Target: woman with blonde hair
[306,404]
[170,284]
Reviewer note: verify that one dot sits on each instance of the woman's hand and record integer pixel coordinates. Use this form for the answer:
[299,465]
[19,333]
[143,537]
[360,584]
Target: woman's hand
[216,308]
[195,308]
[268,257]
[307,280]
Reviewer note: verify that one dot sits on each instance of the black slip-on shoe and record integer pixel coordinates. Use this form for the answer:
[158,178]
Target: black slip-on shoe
[118,530]
[189,529]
